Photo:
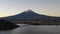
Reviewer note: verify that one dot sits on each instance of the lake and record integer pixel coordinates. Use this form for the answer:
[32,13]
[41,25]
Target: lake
[33,29]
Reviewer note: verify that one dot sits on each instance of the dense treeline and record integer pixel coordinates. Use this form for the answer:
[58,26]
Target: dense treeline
[39,22]
[5,25]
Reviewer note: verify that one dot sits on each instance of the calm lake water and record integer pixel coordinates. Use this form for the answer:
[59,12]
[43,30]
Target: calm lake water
[31,29]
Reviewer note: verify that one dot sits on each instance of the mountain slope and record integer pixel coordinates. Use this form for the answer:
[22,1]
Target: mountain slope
[29,15]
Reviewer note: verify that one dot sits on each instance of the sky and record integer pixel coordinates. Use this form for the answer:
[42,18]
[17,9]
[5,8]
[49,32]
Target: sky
[13,7]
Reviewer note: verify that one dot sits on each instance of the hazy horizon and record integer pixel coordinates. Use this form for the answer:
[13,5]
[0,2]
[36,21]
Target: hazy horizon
[46,7]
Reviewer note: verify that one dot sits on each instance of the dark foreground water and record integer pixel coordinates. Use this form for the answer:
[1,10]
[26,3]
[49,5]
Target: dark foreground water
[31,29]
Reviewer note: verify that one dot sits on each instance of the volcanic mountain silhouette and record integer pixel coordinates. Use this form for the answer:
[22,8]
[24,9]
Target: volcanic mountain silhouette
[28,15]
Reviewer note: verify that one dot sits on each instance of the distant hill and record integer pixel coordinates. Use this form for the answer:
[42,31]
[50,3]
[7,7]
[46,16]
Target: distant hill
[29,15]
[5,25]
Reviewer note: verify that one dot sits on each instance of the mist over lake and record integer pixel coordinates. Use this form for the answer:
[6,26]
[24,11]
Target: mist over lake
[33,29]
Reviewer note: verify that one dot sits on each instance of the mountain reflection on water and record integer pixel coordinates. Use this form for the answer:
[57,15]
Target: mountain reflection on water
[33,29]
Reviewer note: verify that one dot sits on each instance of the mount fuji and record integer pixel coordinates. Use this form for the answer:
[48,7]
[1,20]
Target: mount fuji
[29,15]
